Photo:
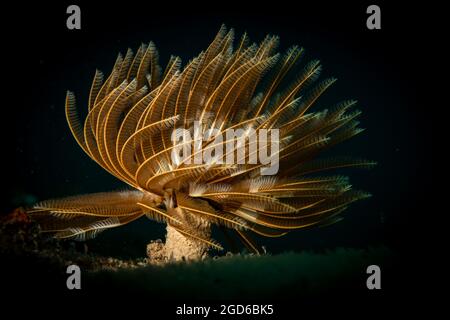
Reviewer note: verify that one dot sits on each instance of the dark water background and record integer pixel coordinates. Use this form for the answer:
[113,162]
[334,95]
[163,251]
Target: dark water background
[378,68]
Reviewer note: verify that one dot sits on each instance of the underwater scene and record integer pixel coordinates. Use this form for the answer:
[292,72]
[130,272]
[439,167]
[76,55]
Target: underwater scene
[239,162]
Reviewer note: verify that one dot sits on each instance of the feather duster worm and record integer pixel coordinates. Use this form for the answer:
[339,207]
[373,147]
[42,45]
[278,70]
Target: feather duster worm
[127,131]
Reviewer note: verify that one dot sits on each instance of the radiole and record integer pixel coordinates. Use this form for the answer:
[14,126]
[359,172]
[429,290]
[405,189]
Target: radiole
[133,111]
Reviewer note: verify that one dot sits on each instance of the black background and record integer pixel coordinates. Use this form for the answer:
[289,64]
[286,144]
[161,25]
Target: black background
[382,69]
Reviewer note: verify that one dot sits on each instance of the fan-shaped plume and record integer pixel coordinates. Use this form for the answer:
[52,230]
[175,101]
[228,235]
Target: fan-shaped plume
[131,115]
